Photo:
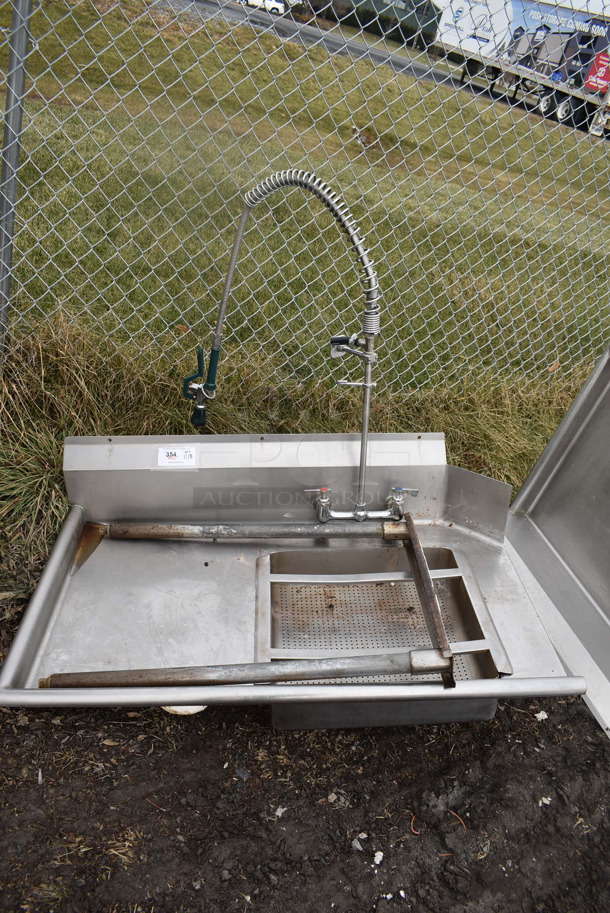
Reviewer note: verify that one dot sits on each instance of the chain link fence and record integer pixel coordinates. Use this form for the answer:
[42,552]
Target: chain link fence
[144,123]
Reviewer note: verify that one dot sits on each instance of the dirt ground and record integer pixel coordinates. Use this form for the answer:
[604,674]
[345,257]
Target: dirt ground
[135,811]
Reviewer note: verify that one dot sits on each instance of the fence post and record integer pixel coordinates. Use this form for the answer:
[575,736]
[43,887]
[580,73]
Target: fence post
[15,90]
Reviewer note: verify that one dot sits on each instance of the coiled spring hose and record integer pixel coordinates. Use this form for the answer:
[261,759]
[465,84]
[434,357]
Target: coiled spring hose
[343,217]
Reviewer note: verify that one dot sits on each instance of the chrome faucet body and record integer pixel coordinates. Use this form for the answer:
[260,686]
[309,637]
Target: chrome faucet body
[394,509]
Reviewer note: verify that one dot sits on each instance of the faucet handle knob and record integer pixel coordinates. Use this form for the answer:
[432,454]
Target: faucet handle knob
[322,491]
[398,491]
[355,383]
[338,344]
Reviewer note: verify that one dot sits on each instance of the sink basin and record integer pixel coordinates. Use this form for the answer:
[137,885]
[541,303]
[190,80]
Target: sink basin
[107,603]
[325,601]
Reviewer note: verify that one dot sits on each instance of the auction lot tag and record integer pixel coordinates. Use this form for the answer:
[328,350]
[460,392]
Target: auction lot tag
[176,456]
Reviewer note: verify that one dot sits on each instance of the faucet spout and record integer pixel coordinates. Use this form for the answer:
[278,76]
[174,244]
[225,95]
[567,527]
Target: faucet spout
[362,344]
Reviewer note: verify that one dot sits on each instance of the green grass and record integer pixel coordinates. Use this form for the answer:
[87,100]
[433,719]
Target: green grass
[485,224]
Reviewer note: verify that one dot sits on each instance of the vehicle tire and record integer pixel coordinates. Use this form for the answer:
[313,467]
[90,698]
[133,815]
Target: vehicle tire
[572,111]
[581,113]
[492,74]
[546,104]
[563,110]
[470,69]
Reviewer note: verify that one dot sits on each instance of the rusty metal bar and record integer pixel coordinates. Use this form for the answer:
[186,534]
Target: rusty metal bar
[427,597]
[420,662]
[254,530]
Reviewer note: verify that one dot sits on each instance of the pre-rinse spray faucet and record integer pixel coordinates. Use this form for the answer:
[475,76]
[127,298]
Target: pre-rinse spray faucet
[359,344]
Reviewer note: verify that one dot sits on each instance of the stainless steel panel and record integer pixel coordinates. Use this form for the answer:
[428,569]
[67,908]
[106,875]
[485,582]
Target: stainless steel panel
[240,477]
[261,478]
[145,604]
[560,522]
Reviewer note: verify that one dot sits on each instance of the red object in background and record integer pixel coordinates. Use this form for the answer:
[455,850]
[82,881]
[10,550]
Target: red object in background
[598,77]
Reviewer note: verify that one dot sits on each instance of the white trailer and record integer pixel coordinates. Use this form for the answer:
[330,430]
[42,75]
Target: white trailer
[554,54]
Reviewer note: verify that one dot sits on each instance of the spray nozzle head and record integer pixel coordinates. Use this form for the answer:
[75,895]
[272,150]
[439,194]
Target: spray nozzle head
[198,417]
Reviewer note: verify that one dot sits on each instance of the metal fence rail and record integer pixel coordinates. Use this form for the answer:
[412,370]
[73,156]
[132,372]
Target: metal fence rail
[145,122]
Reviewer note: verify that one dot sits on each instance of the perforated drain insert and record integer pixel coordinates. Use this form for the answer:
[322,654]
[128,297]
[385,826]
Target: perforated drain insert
[362,616]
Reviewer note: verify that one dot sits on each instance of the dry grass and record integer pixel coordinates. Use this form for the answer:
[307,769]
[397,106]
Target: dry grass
[62,382]
[123,847]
